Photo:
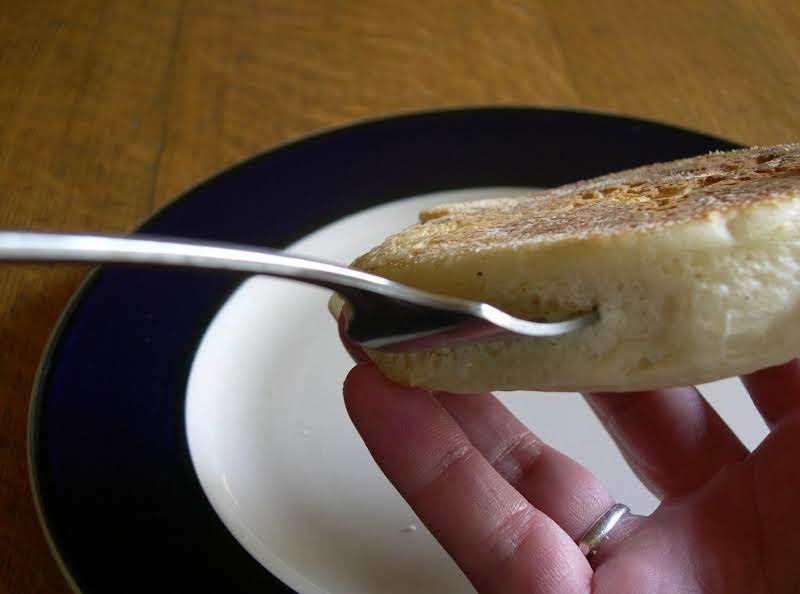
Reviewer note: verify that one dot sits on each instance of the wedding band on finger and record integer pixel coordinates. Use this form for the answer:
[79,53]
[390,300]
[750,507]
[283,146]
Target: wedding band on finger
[601,528]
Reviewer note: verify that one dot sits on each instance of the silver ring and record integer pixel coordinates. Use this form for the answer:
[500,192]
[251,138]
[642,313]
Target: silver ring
[601,528]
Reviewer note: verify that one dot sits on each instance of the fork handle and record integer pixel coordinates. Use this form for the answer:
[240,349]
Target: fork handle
[387,310]
[27,246]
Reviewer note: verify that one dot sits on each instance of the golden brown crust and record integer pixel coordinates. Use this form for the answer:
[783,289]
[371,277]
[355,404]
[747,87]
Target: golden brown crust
[692,266]
[639,199]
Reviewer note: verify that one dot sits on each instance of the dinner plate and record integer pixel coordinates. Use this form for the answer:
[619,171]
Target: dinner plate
[187,431]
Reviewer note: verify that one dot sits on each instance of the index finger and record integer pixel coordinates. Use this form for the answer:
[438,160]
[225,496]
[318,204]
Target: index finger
[492,532]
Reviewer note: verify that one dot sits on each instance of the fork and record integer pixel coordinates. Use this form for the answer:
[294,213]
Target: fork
[378,314]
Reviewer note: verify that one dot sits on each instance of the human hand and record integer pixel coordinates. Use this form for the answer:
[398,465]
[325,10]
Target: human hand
[509,508]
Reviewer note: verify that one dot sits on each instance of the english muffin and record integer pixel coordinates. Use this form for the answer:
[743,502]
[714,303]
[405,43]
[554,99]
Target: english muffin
[693,266]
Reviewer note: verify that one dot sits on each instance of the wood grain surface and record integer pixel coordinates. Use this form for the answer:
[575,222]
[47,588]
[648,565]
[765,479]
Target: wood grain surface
[110,109]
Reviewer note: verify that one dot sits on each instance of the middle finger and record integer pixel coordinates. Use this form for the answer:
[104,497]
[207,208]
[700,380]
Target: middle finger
[673,439]
[550,480]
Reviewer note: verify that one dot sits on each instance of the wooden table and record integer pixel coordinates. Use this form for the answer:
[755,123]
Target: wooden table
[109,109]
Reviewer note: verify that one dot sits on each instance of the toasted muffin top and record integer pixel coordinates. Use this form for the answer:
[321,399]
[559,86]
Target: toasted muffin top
[645,198]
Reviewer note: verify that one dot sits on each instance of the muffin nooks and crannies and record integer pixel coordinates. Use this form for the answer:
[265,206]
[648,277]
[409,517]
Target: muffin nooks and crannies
[693,265]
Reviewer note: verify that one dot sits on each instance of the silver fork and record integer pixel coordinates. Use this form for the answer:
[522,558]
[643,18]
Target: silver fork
[379,313]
